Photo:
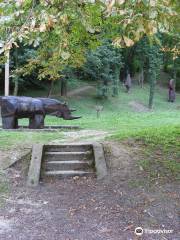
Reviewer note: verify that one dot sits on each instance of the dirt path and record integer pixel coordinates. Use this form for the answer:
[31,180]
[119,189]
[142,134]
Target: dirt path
[82,136]
[87,209]
[138,107]
[80,90]
[9,157]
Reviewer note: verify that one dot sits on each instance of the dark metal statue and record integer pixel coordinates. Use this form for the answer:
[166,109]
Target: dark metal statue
[172,93]
[36,109]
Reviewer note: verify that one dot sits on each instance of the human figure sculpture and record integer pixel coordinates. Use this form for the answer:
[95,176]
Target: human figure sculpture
[172,93]
[128,83]
[36,109]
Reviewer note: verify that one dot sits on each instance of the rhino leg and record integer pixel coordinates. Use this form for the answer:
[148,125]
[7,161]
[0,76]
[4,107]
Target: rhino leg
[37,121]
[8,122]
[16,123]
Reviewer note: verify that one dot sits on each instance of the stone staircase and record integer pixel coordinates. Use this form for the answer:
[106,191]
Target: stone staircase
[68,161]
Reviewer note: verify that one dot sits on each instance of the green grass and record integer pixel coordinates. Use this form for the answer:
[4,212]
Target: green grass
[10,140]
[117,116]
[160,148]
[157,131]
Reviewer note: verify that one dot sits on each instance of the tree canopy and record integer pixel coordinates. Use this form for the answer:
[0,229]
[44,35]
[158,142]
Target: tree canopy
[62,32]
[71,25]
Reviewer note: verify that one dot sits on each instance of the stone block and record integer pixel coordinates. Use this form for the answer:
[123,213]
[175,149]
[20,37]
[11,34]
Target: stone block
[35,165]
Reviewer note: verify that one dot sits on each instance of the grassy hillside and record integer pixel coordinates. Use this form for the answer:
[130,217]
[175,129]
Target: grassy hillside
[158,151]
[156,132]
[118,116]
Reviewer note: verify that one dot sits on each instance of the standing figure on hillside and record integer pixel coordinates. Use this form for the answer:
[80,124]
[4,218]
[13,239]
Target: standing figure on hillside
[172,93]
[128,82]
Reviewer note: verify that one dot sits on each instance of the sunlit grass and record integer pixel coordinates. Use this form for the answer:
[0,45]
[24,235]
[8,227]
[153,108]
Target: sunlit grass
[117,116]
[160,151]
[12,139]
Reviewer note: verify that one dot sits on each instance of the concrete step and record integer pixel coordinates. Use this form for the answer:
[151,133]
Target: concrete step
[68,165]
[69,173]
[67,156]
[68,148]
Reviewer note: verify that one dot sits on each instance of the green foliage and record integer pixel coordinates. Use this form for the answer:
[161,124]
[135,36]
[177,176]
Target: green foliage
[60,30]
[148,58]
[141,54]
[64,30]
[155,64]
[171,46]
[140,18]
[19,58]
[103,65]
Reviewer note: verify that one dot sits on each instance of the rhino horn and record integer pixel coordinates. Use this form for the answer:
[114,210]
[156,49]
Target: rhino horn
[71,118]
[72,109]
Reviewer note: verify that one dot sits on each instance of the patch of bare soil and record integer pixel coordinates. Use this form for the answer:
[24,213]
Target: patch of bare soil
[87,209]
[81,90]
[138,107]
[82,135]
[5,225]
[78,91]
[9,157]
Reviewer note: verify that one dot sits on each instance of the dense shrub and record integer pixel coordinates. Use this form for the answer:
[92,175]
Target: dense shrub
[103,65]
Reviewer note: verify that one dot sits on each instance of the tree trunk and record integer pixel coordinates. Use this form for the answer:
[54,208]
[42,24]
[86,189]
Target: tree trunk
[16,82]
[141,78]
[116,83]
[152,75]
[16,87]
[174,72]
[115,88]
[152,90]
[50,89]
[64,87]
[105,89]
[7,74]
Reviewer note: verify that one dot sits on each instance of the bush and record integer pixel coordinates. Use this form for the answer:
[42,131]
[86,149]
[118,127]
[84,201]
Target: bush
[103,65]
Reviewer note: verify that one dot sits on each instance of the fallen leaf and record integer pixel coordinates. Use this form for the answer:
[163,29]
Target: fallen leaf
[76,177]
[128,227]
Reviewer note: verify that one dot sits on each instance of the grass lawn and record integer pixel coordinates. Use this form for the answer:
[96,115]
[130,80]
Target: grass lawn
[159,155]
[117,116]
[157,131]
[10,140]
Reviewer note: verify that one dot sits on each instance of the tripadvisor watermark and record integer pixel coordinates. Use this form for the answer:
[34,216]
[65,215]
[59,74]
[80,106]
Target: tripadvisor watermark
[139,231]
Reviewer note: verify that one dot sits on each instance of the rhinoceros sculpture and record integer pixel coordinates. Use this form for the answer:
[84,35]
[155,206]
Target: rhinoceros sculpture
[36,109]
